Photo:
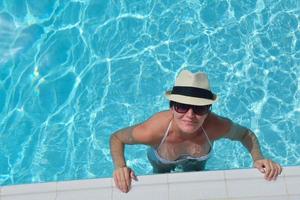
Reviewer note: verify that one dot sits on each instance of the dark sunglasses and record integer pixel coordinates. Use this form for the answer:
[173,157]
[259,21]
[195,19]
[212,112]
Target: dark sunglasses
[198,110]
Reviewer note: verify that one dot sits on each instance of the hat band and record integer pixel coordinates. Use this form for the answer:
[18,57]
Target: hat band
[193,92]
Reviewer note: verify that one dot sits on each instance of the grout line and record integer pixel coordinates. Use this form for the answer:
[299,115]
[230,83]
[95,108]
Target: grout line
[285,184]
[111,192]
[168,184]
[226,186]
[56,191]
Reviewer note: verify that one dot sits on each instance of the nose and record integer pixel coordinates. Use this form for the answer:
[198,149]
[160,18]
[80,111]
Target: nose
[190,113]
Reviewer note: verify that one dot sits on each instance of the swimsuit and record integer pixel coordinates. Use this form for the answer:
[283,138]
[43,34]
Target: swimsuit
[184,161]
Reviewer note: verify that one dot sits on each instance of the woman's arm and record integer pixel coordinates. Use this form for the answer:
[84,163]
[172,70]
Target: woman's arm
[148,132]
[117,142]
[122,174]
[247,138]
[250,141]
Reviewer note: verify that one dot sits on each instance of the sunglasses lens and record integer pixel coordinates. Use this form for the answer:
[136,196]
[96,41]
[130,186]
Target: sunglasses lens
[198,110]
[181,108]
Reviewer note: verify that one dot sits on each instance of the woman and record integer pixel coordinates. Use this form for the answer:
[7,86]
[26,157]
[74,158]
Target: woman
[183,136]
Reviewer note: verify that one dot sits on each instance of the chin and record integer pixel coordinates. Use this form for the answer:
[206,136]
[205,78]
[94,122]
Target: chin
[189,129]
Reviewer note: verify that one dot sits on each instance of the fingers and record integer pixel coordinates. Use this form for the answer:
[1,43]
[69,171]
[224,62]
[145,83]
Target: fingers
[133,176]
[270,171]
[269,168]
[122,178]
[276,170]
[127,182]
[280,168]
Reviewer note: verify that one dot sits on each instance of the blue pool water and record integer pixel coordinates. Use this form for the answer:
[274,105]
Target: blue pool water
[73,72]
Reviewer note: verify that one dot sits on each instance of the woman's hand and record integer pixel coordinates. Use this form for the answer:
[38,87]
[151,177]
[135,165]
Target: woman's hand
[269,168]
[122,178]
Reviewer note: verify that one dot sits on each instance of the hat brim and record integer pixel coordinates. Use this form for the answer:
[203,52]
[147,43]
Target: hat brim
[190,100]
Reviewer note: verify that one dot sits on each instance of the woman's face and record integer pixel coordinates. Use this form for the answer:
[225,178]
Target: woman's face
[188,122]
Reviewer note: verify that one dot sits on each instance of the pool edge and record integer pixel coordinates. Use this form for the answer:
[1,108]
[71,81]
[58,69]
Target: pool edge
[228,184]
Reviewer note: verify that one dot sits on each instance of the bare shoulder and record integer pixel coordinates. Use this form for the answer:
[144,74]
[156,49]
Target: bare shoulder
[158,123]
[160,118]
[152,130]
[217,126]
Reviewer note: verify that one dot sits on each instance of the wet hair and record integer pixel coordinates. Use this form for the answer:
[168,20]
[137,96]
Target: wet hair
[171,103]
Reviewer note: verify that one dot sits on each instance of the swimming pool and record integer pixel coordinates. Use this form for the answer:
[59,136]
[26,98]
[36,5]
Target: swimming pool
[73,72]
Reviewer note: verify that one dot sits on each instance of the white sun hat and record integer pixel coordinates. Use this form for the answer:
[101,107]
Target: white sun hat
[192,89]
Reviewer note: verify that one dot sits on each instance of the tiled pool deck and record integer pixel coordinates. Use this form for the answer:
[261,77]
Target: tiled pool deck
[245,184]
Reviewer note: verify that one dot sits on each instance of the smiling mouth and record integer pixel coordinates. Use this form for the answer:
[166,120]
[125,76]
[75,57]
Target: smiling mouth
[189,122]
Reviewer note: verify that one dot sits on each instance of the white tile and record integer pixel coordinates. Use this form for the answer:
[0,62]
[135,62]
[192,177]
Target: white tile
[148,180]
[28,189]
[84,184]
[264,198]
[294,197]
[145,192]
[35,196]
[243,173]
[291,171]
[196,176]
[86,194]
[238,188]
[293,185]
[144,186]
[152,179]
[245,184]
[197,190]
